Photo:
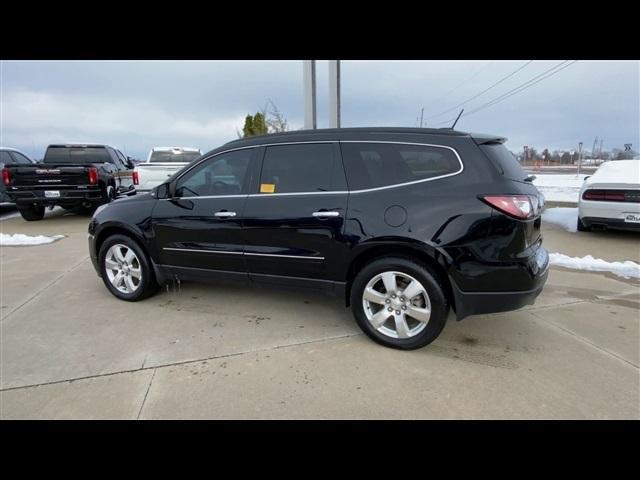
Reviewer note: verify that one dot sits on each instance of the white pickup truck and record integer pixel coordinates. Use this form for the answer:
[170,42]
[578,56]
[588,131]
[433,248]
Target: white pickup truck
[162,163]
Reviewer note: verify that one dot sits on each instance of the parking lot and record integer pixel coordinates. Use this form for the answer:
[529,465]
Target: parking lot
[69,349]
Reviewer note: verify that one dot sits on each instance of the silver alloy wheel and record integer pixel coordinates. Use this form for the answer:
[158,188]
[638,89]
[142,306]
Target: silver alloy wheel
[123,268]
[396,304]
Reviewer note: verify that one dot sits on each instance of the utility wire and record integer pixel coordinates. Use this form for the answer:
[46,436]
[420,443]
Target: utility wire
[482,92]
[537,79]
[467,80]
[526,85]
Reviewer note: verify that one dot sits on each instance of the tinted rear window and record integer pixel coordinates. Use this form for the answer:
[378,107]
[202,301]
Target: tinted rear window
[505,161]
[372,165]
[173,156]
[5,158]
[20,159]
[77,155]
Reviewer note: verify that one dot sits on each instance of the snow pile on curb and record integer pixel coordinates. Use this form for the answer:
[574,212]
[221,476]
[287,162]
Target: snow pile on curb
[559,187]
[19,239]
[566,218]
[626,269]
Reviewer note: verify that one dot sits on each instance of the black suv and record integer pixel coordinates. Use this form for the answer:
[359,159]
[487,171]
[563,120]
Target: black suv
[403,223]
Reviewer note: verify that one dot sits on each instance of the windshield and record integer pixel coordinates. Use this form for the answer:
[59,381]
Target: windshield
[505,161]
[173,156]
[78,155]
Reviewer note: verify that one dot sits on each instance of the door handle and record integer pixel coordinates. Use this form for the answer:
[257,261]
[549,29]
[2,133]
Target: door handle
[324,213]
[224,214]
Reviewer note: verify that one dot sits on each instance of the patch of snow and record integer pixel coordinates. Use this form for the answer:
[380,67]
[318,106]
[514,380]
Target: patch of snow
[625,172]
[626,269]
[564,217]
[20,239]
[559,187]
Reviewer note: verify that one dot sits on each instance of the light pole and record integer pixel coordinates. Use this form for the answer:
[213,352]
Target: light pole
[579,156]
[309,81]
[334,93]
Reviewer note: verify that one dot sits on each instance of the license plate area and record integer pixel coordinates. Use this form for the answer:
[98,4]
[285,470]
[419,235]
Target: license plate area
[631,217]
[52,193]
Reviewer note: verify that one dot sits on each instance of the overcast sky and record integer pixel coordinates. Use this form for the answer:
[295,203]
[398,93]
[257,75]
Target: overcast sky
[136,105]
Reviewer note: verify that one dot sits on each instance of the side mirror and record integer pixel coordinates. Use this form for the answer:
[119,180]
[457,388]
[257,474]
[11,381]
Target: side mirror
[162,191]
[171,189]
[130,164]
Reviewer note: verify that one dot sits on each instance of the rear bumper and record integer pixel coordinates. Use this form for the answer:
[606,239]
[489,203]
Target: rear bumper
[67,197]
[476,303]
[613,223]
[611,211]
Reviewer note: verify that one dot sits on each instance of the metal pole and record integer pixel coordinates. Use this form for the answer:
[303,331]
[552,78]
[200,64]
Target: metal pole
[579,156]
[309,81]
[421,115]
[334,93]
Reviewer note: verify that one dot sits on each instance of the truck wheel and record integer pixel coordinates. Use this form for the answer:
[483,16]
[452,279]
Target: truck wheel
[125,269]
[111,194]
[32,213]
[399,303]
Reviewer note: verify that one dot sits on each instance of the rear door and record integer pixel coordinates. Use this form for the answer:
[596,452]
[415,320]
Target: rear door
[294,219]
[125,173]
[200,227]
[117,169]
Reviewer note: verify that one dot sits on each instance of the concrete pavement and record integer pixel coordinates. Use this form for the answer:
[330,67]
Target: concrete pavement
[68,349]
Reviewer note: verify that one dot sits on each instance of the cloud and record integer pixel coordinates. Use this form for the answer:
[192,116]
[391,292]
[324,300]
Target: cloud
[140,104]
[39,116]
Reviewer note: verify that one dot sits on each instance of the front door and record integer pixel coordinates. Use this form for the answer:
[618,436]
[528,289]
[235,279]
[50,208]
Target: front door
[200,227]
[294,222]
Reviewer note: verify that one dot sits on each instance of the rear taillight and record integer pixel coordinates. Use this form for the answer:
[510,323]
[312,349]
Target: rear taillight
[136,180]
[93,175]
[518,206]
[6,177]
[604,195]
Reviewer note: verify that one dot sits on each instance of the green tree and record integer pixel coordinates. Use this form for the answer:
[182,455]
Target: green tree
[260,124]
[254,125]
[267,120]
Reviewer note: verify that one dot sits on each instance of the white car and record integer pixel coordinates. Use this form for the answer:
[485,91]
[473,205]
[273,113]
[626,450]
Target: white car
[162,163]
[610,198]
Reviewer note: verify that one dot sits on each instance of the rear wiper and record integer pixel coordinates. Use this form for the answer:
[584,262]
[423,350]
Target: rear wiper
[530,178]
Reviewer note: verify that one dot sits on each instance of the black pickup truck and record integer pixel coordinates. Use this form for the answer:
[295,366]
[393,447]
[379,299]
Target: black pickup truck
[76,177]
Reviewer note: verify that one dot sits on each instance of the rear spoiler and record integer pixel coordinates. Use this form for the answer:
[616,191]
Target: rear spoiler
[483,139]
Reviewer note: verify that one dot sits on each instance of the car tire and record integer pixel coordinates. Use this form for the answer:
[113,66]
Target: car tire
[582,227]
[32,213]
[110,194]
[128,277]
[400,329]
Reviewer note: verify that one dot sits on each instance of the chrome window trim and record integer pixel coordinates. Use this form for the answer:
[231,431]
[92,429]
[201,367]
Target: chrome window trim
[334,192]
[242,253]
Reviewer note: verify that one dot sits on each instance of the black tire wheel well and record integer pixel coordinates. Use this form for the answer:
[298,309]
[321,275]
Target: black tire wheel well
[412,254]
[110,231]
[149,281]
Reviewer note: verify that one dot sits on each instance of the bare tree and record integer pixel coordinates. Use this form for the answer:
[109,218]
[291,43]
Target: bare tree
[276,121]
